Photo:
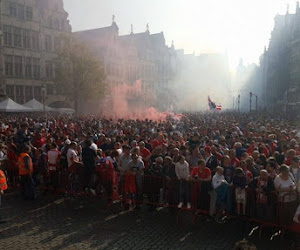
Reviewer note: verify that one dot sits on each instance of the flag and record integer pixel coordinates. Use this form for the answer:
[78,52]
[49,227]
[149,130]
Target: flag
[211,104]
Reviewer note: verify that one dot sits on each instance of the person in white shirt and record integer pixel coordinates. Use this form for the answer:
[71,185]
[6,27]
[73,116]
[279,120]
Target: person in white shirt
[53,157]
[285,185]
[72,156]
[295,172]
[286,188]
[218,179]
[3,155]
[223,191]
[125,158]
[183,174]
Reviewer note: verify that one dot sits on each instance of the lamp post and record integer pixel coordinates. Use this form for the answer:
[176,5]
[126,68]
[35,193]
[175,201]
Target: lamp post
[250,108]
[43,96]
[239,100]
[256,101]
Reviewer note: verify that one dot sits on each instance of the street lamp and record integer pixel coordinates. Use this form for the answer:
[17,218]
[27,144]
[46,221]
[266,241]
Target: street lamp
[250,108]
[256,101]
[239,100]
[43,96]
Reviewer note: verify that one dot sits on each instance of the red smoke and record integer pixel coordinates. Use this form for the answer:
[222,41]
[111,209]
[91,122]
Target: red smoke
[129,101]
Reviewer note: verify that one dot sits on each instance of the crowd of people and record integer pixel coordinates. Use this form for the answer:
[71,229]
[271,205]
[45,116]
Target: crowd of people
[248,165]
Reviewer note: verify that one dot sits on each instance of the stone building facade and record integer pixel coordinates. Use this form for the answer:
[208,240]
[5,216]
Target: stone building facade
[30,32]
[136,56]
[279,69]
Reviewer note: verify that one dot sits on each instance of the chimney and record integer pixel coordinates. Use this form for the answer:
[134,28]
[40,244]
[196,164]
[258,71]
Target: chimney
[297,7]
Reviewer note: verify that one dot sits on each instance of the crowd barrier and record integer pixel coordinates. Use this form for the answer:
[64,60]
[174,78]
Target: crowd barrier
[128,190]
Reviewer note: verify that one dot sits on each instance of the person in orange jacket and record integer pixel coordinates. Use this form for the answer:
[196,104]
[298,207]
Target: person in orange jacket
[26,171]
[3,187]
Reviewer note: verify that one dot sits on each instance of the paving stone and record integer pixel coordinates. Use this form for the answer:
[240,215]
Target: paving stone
[56,223]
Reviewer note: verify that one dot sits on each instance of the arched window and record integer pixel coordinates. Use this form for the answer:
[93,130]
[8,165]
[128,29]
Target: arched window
[56,24]
[50,22]
[62,25]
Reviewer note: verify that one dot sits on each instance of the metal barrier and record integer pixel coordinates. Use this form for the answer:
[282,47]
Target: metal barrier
[129,190]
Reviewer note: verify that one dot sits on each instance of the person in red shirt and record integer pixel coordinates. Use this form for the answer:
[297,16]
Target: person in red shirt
[201,172]
[255,146]
[39,140]
[248,174]
[234,161]
[12,158]
[145,154]
[201,177]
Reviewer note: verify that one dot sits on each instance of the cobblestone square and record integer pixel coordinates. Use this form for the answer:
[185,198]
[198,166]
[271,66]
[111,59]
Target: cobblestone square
[86,223]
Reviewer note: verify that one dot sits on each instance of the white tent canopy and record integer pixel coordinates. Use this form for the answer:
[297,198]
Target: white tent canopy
[35,105]
[65,110]
[9,105]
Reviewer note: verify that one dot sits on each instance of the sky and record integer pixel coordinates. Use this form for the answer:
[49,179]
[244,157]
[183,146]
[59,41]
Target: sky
[240,28]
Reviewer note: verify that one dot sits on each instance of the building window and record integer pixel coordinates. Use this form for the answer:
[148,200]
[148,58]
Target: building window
[35,41]
[28,93]
[28,67]
[21,14]
[18,66]
[36,68]
[10,91]
[56,24]
[50,22]
[19,94]
[7,35]
[50,89]
[57,44]
[26,39]
[48,43]
[29,14]
[38,93]
[49,69]
[8,65]
[62,25]
[13,9]
[17,37]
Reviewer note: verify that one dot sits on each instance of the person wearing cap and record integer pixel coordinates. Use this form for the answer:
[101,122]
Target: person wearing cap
[3,187]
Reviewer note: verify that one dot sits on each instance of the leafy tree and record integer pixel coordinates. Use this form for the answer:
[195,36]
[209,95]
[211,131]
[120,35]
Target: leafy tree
[79,74]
